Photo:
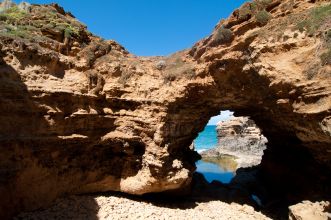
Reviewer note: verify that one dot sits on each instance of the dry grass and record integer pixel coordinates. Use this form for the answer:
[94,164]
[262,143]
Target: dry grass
[176,68]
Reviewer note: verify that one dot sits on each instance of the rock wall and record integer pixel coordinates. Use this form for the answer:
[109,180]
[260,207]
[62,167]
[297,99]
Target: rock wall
[80,114]
[241,138]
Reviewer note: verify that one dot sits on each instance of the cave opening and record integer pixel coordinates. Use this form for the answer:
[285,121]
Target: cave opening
[227,144]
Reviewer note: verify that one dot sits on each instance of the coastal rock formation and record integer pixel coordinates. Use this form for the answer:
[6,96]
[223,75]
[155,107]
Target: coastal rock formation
[80,114]
[241,138]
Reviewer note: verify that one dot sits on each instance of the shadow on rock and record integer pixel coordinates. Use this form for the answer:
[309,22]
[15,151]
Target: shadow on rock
[74,207]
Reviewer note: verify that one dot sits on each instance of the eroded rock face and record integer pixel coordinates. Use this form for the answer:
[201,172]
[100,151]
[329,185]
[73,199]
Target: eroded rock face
[80,114]
[241,138]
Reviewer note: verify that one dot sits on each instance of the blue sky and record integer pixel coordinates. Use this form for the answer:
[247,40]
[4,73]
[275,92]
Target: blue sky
[150,27]
[225,115]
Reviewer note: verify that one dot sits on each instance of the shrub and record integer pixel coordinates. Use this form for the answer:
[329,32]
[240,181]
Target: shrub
[190,74]
[14,32]
[223,35]
[161,65]
[320,13]
[13,14]
[328,36]
[312,71]
[68,33]
[168,77]
[125,76]
[326,57]
[301,26]
[316,18]
[245,12]
[263,4]
[263,17]
[3,17]
[249,9]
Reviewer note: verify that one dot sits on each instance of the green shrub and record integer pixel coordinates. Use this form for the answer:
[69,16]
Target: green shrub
[248,10]
[301,26]
[3,17]
[223,35]
[263,17]
[14,32]
[316,18]
[13,14]
[68,33]
[320,13]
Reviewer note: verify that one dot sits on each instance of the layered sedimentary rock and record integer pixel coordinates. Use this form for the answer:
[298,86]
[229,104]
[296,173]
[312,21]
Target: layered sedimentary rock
[80,114]
[241,138]
[77,115]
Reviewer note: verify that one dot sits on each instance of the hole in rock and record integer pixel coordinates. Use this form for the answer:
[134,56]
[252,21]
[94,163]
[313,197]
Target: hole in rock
[226,144]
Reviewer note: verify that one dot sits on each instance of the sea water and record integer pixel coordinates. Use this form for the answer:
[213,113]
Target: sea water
[207,139]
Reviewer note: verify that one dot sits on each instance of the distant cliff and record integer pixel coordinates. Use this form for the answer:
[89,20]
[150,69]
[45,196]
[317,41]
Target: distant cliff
[241,138]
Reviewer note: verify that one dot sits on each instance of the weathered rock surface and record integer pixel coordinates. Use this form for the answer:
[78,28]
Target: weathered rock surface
[241,138]
[310,211]
[79,114]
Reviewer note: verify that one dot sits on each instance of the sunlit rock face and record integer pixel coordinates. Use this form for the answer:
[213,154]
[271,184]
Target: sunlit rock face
[80,114]
[241,138]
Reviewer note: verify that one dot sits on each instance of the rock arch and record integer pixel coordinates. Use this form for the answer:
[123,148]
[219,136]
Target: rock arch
[133,134]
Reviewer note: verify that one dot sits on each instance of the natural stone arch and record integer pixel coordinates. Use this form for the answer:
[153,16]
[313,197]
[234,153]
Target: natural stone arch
[133,134]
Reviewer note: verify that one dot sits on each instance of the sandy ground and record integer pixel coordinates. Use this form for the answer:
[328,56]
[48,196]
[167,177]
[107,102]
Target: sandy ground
[109,206]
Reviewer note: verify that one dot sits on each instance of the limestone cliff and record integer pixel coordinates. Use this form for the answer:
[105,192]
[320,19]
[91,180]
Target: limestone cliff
[241,138]
[81,114]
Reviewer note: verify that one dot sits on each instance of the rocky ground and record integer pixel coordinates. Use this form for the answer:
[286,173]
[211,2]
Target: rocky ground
[205,201]
[121,207]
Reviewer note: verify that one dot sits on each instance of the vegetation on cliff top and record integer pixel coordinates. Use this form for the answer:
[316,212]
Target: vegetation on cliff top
[47,25]
[318,22]
[255,9]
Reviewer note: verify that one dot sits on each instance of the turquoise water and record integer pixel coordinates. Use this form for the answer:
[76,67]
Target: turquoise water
[207,139]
